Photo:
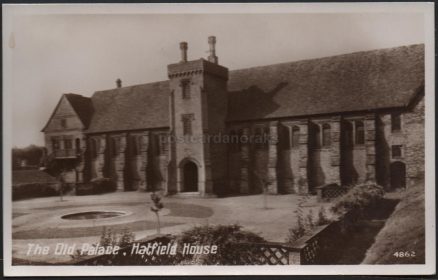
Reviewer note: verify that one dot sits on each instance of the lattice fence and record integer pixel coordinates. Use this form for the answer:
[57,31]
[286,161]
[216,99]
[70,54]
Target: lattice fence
[245,254]
[319,248]
[329,192]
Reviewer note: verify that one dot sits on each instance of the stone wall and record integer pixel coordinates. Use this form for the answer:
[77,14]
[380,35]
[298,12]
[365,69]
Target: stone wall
[414,152]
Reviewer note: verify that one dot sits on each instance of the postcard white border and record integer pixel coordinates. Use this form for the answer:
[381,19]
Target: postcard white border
[427,9]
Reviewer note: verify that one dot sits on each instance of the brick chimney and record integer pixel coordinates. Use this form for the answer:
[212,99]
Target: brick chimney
[119,83]
[183,47]
[212,43]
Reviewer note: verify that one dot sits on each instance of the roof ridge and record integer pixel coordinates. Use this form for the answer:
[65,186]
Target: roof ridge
[132,86]
[327,57]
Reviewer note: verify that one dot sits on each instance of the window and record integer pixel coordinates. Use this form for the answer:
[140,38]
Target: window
[63,123]
[360,133]
[395,122]
[160,144]
[78,144]
[396,151]
[295,136]
[55,144]
[326,137]
[187,124]
[68,145]
[185,87]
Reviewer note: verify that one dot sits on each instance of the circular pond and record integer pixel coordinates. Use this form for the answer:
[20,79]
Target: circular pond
[91,215]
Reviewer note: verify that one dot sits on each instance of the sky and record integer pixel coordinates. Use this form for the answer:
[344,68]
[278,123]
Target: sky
[83,53]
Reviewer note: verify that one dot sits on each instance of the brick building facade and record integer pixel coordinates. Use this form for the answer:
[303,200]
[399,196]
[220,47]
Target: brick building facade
[344,119]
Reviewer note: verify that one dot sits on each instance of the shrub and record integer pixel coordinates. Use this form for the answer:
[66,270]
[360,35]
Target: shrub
[226,237]
[322,217]
[103,185]
[97,186]
[23,191]
[359,199]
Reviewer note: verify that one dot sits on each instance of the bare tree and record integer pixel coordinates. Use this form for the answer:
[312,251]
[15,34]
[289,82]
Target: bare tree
[158,205]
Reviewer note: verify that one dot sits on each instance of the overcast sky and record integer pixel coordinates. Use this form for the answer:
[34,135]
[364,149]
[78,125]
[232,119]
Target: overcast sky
[55,54]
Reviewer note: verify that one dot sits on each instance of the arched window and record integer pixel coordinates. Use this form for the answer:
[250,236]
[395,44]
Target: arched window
[360,133]
[295,136]
[326,139]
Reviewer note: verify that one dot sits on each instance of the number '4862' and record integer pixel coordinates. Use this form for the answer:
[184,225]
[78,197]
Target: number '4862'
[407,254]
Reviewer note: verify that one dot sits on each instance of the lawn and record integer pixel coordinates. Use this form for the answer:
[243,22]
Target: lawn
[39,220]
[404,231]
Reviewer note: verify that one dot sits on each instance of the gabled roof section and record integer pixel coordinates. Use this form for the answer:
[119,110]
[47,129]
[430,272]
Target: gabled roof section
[130,108]
[82,106]
[352,82]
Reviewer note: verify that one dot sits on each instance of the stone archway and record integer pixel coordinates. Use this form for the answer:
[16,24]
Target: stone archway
[190,177]
[398,175]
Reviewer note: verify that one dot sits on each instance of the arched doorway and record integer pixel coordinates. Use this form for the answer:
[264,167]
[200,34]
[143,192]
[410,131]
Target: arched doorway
[398,175]
[190,176]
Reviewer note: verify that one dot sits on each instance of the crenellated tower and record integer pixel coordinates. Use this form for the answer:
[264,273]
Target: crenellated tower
[198,106]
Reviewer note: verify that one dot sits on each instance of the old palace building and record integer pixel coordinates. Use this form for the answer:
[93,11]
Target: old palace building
[344,119]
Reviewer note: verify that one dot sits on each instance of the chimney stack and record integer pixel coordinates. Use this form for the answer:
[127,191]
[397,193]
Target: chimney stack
[212,43]
[183,47]
[119,83]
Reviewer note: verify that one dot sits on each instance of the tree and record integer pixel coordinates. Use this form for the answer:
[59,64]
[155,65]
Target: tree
[61,184]
[158,205]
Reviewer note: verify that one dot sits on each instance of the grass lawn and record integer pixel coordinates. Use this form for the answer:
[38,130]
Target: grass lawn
[39,220]
[404,231]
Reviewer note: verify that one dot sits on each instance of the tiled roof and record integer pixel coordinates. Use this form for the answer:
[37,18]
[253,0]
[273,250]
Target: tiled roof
[32,176]
[129,108]
[351,82]
[359,81]
[82,106]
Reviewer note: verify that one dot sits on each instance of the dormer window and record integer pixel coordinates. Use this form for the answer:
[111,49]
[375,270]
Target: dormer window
[185,88]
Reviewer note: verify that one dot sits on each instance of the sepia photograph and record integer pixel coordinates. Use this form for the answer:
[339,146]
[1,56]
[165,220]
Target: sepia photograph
[218,139]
